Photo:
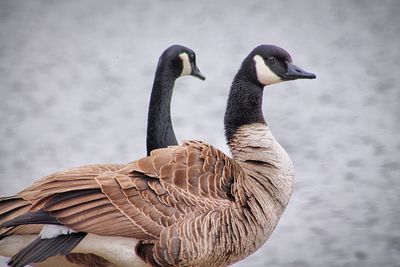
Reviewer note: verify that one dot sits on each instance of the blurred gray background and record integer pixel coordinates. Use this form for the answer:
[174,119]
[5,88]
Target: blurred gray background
[75,79]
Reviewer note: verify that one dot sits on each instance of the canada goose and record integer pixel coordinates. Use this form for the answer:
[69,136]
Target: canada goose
[187,205]
[176,61]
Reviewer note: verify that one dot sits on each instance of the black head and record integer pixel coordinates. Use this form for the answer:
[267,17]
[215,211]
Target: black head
[180,61]
[268,64]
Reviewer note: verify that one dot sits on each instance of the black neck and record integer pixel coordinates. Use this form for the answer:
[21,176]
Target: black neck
[159,126]
[244,105]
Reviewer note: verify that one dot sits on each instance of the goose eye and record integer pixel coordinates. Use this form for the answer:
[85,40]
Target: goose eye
[191,57]
[271,59]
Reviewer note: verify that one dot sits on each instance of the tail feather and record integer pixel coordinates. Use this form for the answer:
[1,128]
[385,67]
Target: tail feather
[11,207]
[35,217]
[41,249]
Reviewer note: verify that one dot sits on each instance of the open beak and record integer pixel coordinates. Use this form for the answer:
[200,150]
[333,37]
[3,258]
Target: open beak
[293,72]
[196,72]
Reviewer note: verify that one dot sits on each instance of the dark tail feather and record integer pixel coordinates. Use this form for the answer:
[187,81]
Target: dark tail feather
[41,249]
[11,207]
[35,217]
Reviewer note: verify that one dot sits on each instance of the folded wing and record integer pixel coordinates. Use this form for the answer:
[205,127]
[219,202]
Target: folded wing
[139,199]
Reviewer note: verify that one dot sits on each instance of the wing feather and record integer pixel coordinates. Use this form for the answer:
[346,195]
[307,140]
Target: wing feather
[148,199]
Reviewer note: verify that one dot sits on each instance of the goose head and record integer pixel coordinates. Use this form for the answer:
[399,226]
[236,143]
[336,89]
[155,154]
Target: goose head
[181,61]
[265,65]
[269,64]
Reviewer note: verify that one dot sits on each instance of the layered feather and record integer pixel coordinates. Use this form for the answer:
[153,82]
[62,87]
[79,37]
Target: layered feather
[175,199]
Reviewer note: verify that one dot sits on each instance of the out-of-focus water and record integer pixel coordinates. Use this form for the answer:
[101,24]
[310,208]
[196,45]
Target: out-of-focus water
[75,78]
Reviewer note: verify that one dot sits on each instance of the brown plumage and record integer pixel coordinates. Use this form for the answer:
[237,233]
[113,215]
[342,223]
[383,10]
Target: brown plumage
[175,198]
[189,205]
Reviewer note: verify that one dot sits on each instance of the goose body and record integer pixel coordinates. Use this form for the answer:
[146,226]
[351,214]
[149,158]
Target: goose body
[187,205]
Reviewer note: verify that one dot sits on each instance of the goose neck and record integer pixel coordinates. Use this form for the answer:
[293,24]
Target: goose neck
[244,105]
[160,132]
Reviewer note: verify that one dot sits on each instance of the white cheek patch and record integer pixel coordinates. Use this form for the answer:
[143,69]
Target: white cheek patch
[187,69]
[264,74]
[51,231]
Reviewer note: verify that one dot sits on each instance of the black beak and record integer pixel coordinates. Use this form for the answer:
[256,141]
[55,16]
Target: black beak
[293,72]
[196,72]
